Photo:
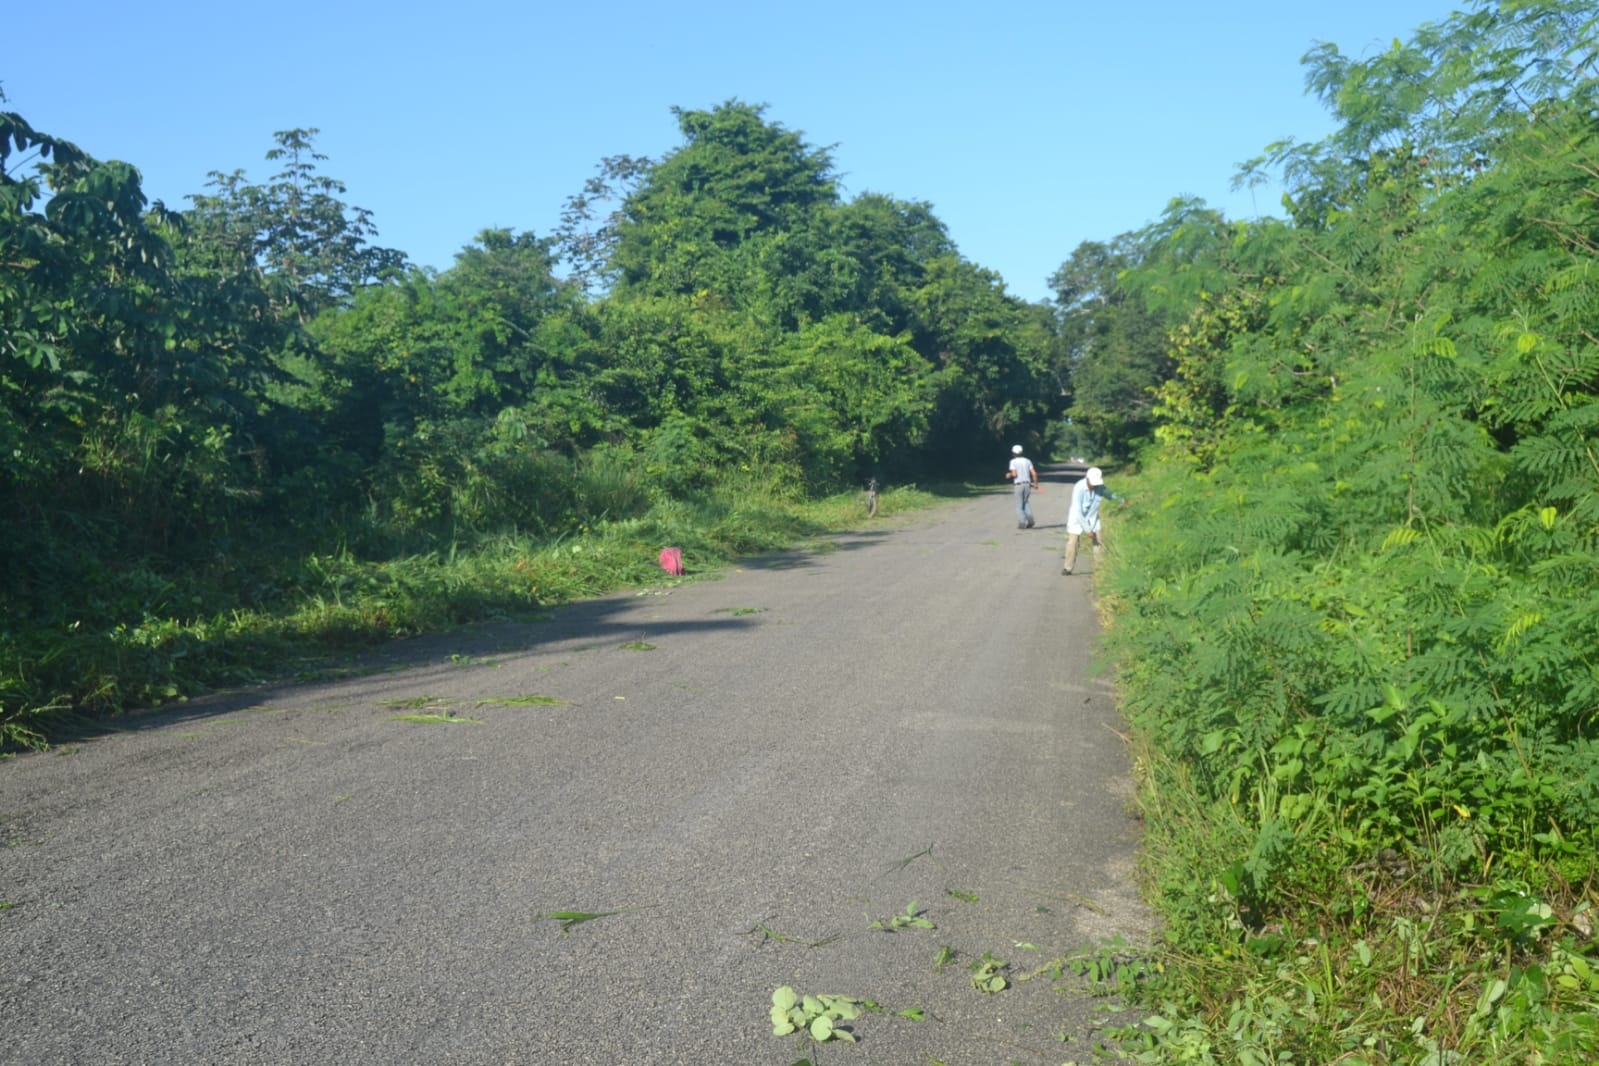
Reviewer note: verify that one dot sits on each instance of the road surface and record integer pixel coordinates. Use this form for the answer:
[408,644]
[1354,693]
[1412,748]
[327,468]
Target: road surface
[750,775]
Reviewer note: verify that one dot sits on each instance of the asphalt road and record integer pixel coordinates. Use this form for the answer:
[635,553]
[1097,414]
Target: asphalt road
[756,770]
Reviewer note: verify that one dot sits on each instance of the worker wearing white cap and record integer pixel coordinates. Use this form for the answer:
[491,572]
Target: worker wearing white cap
[1025,475]
[1082,516]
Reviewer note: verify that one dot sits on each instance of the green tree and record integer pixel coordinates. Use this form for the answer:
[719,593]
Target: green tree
[995,352]
[1114,349]
[426,373]
[586,238]
[856,400]
[310,249]
[889,245]
[735,177]
[127,402]
[750,292]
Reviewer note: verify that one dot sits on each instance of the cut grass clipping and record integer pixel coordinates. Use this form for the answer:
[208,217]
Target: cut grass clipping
[769,935]
[571,919]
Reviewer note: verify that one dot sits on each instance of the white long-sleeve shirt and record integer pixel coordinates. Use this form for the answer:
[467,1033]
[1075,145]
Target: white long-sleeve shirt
[1082,514]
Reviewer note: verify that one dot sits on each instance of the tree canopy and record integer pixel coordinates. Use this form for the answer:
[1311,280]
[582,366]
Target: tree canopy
[258,361]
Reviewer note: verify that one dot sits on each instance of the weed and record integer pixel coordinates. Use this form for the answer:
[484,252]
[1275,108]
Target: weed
[911,918]
[1113,966]
[1079,900]
[770,935]
[447,718]
[571,919]
[638,645]
[414,702]
[819,1017]
[523,701]
[988,973]
[899,864]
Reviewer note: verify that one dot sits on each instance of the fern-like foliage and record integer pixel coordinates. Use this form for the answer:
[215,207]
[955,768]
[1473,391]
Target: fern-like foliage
[1367,616]
[1378,580]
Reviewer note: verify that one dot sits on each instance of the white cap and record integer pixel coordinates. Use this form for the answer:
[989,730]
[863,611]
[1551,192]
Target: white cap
[1016,449]
[1095,476]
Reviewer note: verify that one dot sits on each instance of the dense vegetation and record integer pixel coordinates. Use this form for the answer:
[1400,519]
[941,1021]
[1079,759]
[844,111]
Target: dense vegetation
[244,426]
[1357,612]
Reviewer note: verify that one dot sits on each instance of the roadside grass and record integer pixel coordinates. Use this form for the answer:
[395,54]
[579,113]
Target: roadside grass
[185,634]
[1351,960]
[1387,880]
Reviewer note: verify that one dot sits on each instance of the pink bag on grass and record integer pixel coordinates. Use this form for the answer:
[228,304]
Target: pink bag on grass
[672,561]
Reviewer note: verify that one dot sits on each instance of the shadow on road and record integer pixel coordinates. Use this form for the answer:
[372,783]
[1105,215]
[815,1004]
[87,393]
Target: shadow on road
[799,559]
[592,621]
[471,644]
[1061,473]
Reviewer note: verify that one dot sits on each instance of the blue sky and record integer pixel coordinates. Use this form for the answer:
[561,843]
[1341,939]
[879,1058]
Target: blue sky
[1029,126]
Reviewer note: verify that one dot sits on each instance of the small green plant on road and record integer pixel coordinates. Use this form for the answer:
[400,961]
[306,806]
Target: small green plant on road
[445,718]
[571,919]
[769,935]
[913,917]
[1114,967]
[988,973]
[414,703]
[819,1017]
[900,864]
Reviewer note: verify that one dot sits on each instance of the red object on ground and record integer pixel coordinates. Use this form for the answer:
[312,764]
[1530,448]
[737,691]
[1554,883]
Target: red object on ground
[672,561]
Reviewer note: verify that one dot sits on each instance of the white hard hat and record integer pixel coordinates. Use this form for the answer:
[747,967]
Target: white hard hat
[1016,449]
[1095,476]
